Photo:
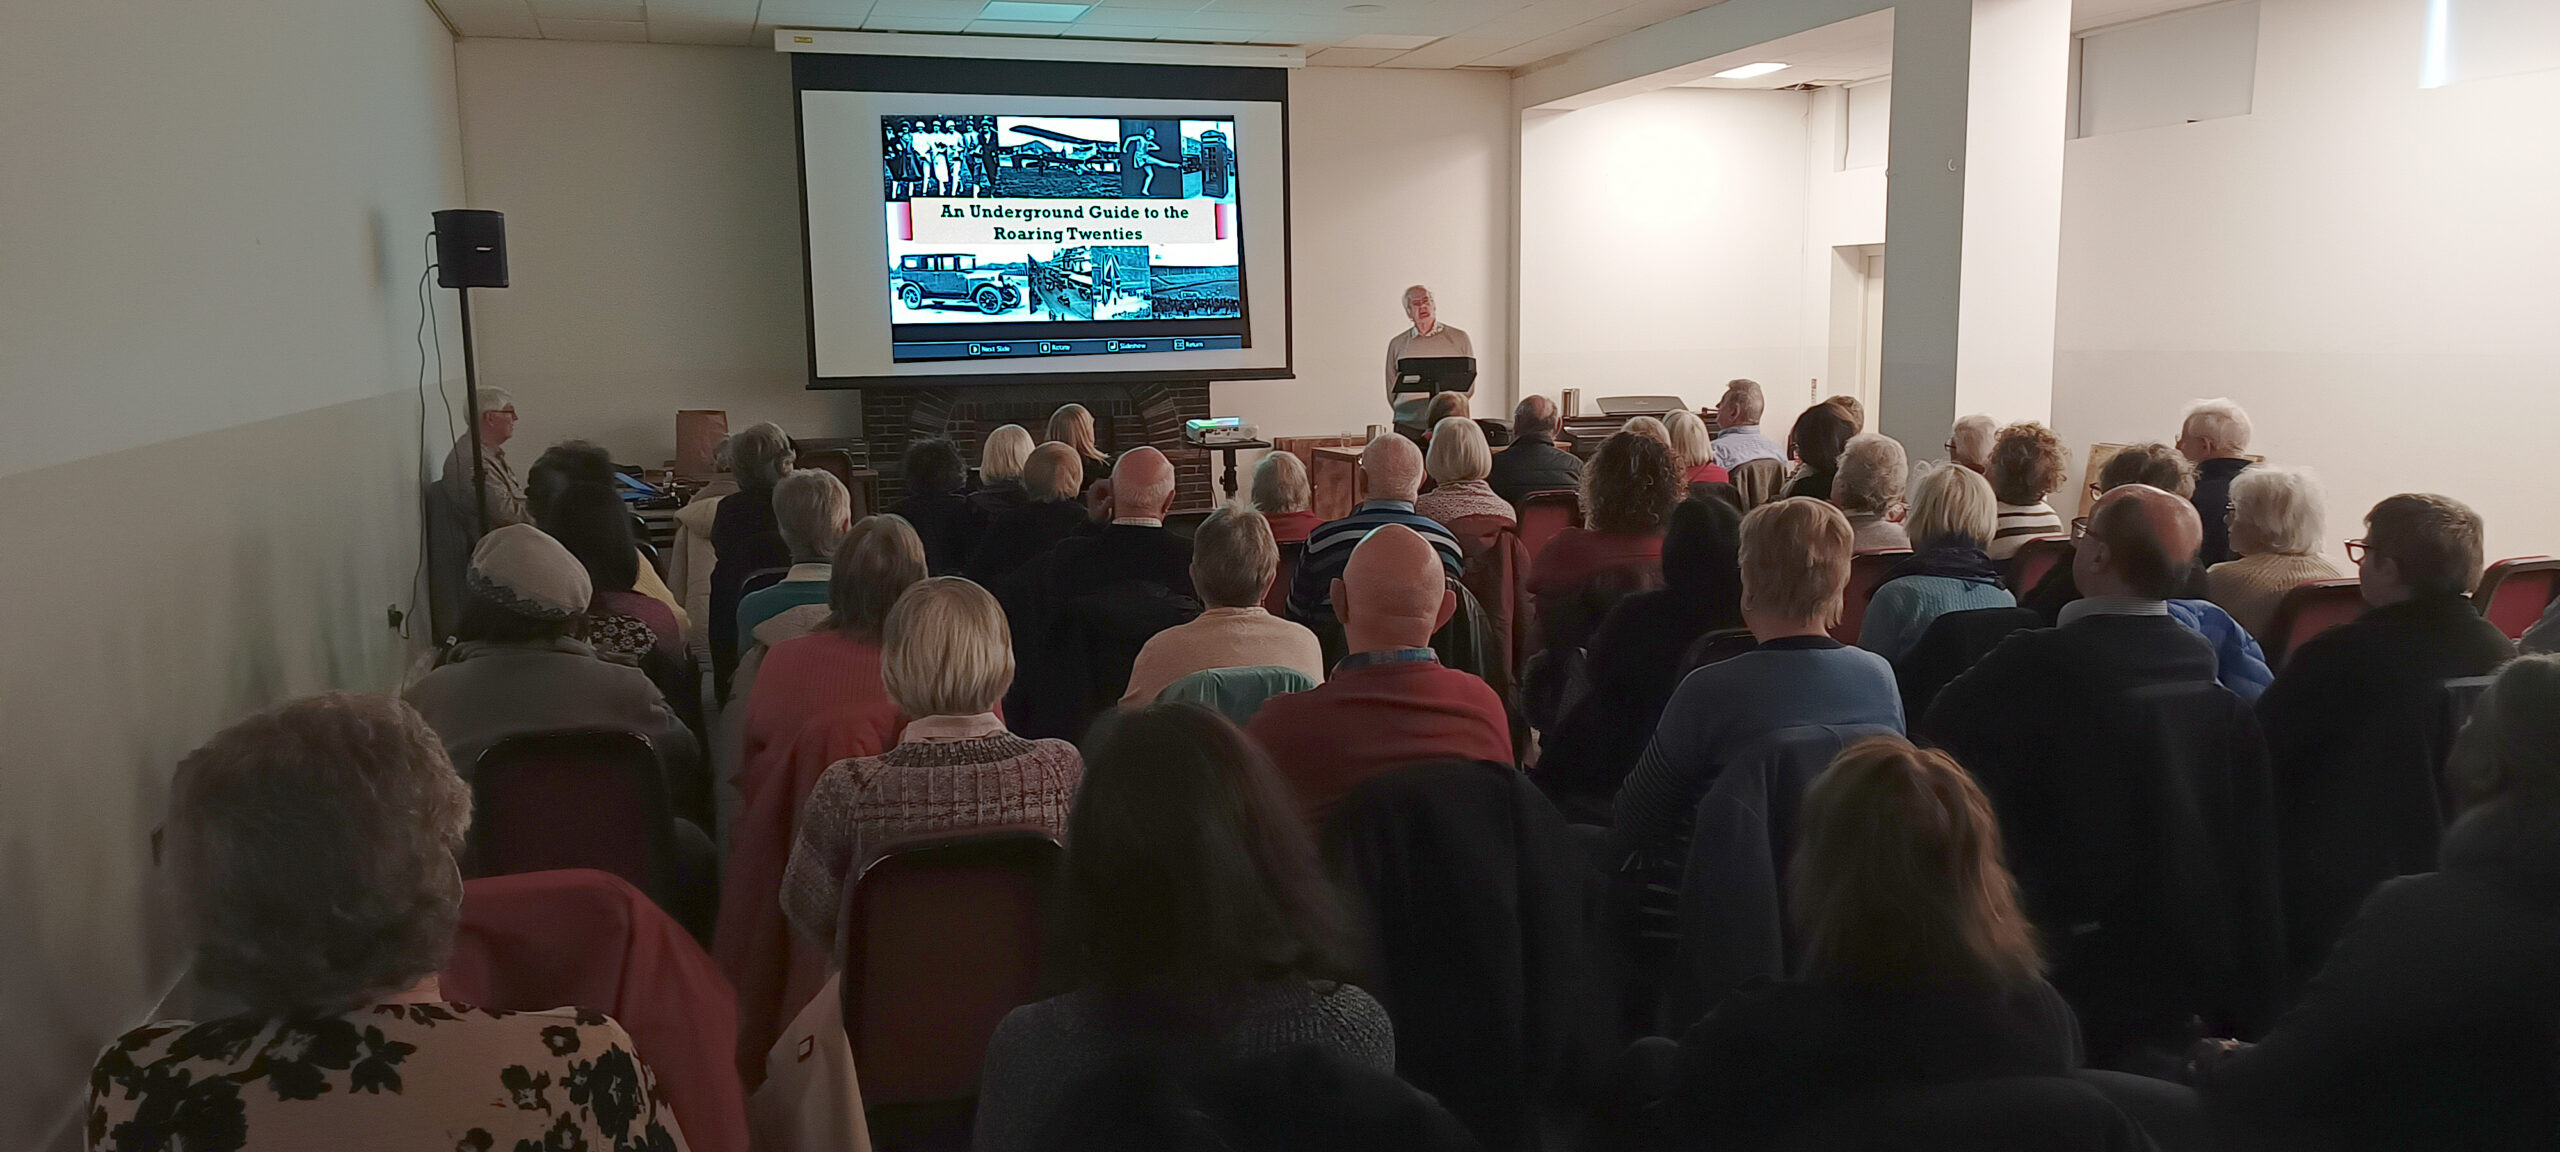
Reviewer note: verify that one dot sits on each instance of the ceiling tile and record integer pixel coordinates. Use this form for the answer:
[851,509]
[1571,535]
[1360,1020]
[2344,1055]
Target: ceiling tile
[491,18]
[741,32]
[1545,46]
[1147,6]
[1352,57]
[631,30]
[622,10]
[1382,40]
[1449,53]
[880,21]
[1016,28]
[738,12]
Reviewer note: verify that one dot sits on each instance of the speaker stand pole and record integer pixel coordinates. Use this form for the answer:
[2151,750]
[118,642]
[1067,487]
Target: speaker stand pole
[471,394]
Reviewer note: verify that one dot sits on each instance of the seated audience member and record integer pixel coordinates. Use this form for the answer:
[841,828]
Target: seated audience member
[935,479]
[1135,545]
[520,663]
[501,493]
[570,463]
[1969,445]
[1072,425]
[1628,493]
[1196,921]
[316,849]
[1233,561]
[1874,471]
[1951,520]
[1532,462]
[2277,522]
[814,512]
[2027,465]
[835,668]
[2544,635]
[745,539]
[2215,436]
[1443,406]
[1389,479]
[2157,465]
[1390,703]
[2351,810]
[1648,427]
[1820,434]
[1738,437]
[1795,568]
[2431,1025]
[594,524]
[1918,966]
[1850,409]
[1458,462]
[1283,496]
[1757,481]
[1634,660]
[1052,478]
[1000,462]
[1693,449]
[945,659]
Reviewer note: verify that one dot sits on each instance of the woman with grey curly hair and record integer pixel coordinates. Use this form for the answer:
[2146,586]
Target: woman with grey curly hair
[315,849]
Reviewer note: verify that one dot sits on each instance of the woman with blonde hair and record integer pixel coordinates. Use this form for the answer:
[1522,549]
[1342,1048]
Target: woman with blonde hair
[1458,461]
[1000,462]
[1951,520]
[946,657]
[1693,449]
[1918,966]
[1072,425]
[1284,497]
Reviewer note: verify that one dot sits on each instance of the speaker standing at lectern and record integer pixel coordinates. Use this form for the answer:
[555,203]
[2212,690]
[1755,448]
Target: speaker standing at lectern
[1427,338]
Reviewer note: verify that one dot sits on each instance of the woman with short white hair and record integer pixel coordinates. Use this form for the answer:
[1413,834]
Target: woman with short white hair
[946,657]
[1874,470]
[1000,462]
[1283,496]
[1953,515]
[1693,449]
[317,849]
[2277,517]
[1459,461]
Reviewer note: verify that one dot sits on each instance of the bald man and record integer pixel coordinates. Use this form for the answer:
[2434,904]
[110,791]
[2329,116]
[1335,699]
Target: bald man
[1081,614]
[1533,463]
[1390,703]
[1134,545]
[1389,479]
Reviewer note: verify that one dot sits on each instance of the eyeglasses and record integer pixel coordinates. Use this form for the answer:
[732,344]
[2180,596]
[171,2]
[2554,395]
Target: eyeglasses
[2080,528]
[2355,551]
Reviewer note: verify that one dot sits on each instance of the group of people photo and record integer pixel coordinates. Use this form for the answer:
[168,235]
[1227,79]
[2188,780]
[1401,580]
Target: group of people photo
[1702,784]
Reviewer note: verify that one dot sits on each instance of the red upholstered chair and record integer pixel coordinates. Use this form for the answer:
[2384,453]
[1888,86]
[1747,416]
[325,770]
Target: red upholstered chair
[2309,610]
[541,940]
[2033,559]
[1866,570]
[583,799]
[2514,593]
[942,937]
[1276,600]
[1543,514]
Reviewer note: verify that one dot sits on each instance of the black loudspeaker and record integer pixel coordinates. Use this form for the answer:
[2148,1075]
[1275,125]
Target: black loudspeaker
[471,248]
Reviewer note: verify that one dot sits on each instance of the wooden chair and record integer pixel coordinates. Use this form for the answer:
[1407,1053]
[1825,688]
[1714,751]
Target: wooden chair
[2309,610]
[1866,571]
[2514,593]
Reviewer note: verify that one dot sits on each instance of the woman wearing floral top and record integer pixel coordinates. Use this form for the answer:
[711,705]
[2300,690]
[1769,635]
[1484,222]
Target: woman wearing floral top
[316,851]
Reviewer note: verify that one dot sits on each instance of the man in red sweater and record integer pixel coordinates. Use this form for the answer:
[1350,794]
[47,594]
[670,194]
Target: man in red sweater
[1390,703]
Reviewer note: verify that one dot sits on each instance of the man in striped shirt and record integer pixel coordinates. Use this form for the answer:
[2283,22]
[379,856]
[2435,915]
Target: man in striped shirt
[1390,478]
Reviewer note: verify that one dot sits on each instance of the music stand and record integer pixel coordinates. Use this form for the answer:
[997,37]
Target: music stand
[1431,375]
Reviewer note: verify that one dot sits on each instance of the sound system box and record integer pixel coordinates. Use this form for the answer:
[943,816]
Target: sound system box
[471,248]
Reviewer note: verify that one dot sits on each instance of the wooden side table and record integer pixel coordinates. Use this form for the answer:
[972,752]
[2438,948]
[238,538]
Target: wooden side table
[1335,478]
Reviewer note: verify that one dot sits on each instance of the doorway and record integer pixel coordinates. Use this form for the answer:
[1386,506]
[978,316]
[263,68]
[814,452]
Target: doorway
[1857,325]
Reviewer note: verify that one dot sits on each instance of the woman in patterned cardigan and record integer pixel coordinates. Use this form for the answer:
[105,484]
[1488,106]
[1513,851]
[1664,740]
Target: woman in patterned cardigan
[946,656]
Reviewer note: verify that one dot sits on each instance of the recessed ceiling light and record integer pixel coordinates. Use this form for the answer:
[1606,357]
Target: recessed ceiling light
[1031,10]
[1747,71]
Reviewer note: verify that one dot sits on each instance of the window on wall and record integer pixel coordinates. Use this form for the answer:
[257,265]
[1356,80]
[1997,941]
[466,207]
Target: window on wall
[2478,39]
[2200,64]
[1866,123]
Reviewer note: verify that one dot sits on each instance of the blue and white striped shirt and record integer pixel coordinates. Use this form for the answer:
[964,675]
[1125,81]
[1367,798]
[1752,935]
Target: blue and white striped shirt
[1329,551]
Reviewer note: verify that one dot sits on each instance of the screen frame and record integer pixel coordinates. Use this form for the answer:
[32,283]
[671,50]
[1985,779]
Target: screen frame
[982,77]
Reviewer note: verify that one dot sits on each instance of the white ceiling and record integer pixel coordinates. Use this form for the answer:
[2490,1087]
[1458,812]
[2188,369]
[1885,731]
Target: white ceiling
[1335,33]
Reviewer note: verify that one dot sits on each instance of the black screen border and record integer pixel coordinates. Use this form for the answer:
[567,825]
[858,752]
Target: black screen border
[954,76]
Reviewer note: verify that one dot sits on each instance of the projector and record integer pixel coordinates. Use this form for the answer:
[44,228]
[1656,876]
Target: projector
[1219,430]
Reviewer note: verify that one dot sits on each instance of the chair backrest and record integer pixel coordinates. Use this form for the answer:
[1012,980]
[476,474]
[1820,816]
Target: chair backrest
[1757,481]
[1866,571]
[578,799]
[1275,600]
[1498,576]
[1948,647]
[1237,693]
[758,581]
[942,937]
[1543,514]
[538,940]
[2309,610]
[2028,565]
[2016,1114]
[2514,593]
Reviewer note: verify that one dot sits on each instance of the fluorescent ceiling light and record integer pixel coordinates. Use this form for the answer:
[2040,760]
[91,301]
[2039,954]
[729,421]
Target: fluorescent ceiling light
[1745,72]
[1029,10]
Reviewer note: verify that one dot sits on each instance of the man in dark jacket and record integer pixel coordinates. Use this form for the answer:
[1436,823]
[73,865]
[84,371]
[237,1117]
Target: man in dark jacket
[2215,437]
[1081,613]
[1533,463]
[2350,720]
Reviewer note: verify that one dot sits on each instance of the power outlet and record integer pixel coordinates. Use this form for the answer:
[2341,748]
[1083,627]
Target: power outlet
[397,617]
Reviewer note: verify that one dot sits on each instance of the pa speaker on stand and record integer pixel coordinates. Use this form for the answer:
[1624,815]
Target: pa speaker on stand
[471,252]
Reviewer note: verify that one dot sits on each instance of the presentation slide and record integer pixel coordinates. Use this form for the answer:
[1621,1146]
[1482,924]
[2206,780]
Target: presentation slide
[1129,222]
[1083,235]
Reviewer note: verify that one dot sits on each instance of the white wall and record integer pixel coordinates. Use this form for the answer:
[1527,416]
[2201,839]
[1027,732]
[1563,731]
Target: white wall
[1396,176]
[653,239]
[207,479]
[2365,265]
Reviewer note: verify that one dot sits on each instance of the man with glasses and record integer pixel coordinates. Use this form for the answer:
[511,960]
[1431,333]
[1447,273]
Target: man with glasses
[503,496]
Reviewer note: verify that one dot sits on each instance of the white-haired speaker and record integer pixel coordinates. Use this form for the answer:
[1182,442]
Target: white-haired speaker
[471,248]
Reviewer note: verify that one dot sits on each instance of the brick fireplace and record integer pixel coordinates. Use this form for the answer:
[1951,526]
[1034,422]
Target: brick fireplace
[1125,416]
